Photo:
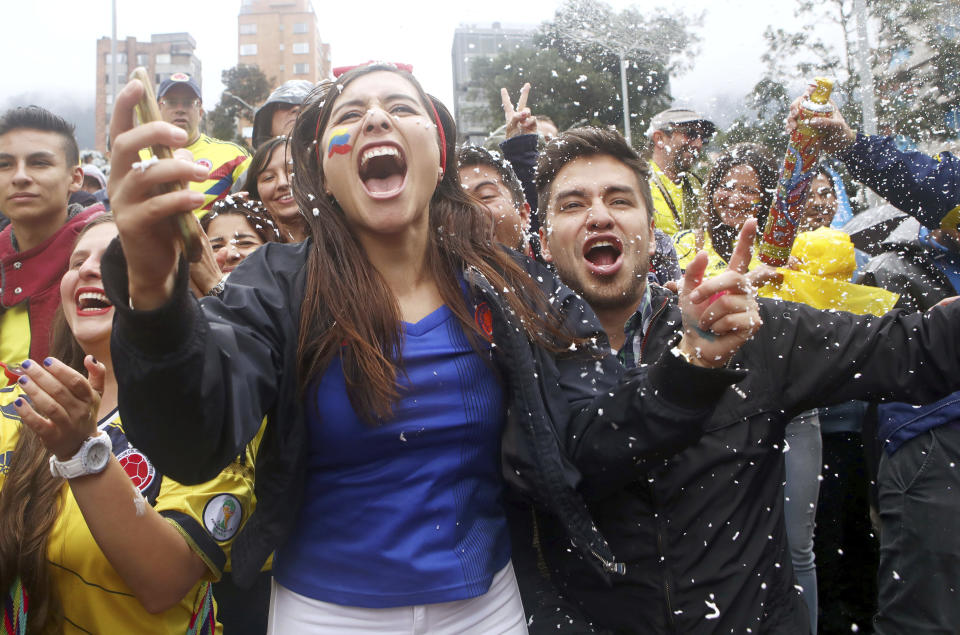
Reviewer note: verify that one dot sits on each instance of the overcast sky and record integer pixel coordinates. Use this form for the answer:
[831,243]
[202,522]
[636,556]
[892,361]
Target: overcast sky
[49,47]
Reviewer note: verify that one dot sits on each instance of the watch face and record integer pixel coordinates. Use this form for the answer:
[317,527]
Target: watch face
[97,456]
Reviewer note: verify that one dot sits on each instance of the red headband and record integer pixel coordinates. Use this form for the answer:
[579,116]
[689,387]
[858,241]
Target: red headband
[340,70]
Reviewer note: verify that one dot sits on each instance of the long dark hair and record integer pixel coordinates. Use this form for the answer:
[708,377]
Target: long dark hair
[31,498]
[349,310]
[757,157]
[261,159]
[253,211]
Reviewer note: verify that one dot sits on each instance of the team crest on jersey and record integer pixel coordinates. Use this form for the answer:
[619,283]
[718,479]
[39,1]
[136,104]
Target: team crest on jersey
[483,316]
[138,467]
[207,163]
[5,459]
[222,516]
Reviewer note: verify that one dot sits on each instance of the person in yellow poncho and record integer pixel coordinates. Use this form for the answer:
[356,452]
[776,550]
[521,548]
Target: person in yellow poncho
[740,186]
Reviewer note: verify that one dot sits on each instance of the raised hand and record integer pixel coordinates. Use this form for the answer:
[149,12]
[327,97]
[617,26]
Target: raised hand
[721,313]
[835,133]
[206,273]
[64,403]
[143,217]
[519,120]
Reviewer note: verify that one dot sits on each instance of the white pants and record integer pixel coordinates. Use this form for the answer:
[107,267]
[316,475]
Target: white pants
[499,610]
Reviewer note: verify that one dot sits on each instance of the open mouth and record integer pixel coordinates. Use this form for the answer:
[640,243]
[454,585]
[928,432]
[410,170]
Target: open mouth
[92,301]
[604,255]
[383,171]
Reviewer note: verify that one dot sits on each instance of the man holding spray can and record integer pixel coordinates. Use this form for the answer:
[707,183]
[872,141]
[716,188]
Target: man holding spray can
[917,480]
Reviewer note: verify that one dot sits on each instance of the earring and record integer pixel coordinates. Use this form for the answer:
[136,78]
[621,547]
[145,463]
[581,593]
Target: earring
[440,172]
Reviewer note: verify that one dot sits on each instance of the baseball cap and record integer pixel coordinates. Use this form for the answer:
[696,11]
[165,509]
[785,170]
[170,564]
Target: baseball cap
[178,79]
[94,172]
[673,117]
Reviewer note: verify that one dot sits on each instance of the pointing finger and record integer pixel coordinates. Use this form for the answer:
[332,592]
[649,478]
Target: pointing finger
[740,260]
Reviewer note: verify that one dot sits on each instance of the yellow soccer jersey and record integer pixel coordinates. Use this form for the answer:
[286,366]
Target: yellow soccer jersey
[209,515]
[228,165]
[14,335]
[685,243]
[672,216]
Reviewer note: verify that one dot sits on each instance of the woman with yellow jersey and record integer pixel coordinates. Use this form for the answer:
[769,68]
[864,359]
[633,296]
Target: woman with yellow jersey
[92,538]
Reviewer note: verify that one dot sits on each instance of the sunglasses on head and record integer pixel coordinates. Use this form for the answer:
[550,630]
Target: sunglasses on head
[692,131]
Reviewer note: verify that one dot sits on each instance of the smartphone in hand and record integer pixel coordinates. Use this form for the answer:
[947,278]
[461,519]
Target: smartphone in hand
[147,111]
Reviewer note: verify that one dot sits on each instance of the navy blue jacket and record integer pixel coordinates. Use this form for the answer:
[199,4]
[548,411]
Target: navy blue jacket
[929,189]
[923,186]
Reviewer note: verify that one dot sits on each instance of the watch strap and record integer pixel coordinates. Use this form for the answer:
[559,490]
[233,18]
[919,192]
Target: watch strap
[75,466]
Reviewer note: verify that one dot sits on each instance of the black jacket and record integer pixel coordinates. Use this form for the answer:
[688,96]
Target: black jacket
[909,269]
[702,533]
[231,360]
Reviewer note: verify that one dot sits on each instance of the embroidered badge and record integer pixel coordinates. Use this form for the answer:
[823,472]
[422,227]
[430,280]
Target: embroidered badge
[5,459]
[483,316]
[138,467]
[222,516]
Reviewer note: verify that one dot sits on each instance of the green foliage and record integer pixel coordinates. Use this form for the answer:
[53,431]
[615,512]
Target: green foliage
[574,66]
[917,66]
[770,103]
[248,83]
[915,57]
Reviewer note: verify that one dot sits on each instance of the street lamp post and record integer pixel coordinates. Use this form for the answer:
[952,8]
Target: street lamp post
[626,99]
[252,110]
[621,53]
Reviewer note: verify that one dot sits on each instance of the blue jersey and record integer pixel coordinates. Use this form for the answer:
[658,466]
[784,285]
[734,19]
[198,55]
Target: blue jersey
[406,512]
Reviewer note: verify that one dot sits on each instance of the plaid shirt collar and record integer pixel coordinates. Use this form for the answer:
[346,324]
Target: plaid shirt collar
[635,329]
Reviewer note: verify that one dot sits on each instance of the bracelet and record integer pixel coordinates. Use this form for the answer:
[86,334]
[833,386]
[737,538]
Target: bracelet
[218,288]
[679,353]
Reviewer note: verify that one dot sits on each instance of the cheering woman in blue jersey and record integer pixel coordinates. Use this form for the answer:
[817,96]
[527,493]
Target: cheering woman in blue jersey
[407,367]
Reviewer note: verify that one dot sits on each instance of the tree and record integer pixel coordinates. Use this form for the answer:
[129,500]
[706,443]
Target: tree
[918,64]
[248,83]
[574,66]
[914,56]
[792,59]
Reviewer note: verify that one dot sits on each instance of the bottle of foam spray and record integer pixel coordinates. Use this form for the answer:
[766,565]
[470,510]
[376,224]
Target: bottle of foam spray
[795,176]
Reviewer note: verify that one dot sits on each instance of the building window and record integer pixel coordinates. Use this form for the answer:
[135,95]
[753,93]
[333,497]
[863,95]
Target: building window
[301,69]
[248,29]
[142,59]
[163,58]
[121,58]
[109,99]
[281,46]
[248,49]
[299,48]
[299,27]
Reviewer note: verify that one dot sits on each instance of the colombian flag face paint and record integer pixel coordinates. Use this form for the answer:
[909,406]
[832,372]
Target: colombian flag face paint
[339,142]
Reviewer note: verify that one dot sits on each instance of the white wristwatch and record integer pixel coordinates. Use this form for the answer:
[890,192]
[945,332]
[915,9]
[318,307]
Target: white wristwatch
[91,458]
